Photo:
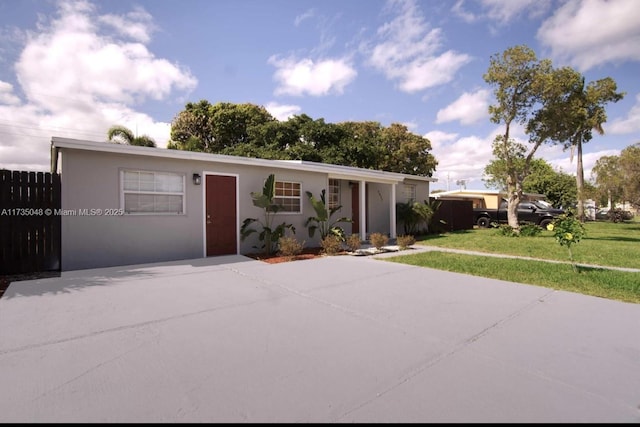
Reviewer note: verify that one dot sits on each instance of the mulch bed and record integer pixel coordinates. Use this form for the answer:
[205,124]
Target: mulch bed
[307,253]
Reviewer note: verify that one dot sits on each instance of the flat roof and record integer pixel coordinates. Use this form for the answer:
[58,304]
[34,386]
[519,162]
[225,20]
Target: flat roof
[334,171]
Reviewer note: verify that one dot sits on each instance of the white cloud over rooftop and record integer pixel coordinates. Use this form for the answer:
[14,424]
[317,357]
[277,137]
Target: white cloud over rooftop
[305,76]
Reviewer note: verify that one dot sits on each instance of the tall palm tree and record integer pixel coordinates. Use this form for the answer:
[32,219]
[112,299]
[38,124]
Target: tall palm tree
[123,135]
[588,115]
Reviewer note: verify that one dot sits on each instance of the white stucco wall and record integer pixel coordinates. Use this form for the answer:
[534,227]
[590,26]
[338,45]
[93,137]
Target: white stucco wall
[91,179]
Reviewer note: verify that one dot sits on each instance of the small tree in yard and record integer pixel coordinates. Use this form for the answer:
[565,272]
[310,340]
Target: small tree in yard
[567,230]
[268,234]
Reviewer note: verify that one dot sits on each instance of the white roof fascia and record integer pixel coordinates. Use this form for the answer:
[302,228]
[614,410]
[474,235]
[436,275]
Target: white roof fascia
[334,171]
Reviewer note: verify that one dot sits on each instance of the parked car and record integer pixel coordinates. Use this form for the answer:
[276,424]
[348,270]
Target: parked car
[537,212]
[615,215]
[602,214]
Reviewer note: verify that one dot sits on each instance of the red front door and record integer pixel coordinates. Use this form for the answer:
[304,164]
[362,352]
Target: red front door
[220,215]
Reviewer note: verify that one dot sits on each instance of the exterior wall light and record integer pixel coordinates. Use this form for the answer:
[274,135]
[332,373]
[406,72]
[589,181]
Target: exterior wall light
[197,179]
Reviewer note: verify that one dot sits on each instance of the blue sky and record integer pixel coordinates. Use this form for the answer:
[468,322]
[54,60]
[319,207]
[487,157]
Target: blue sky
[75,68]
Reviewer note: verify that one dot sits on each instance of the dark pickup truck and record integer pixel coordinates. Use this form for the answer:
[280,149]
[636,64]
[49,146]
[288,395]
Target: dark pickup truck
[534,212]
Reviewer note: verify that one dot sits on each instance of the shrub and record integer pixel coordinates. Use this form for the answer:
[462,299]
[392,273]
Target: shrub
[525,230]
[507,231]
[289,247]
[415,214]
[405,241]
[378,240]
[530,230]
[353,242]
[331,244]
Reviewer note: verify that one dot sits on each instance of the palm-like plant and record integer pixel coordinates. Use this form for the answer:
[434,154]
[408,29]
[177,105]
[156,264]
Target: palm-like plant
[123,135]
[268,234]
[322,221]
[414,214]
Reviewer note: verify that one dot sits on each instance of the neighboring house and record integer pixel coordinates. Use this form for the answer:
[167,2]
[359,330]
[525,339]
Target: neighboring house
[125,205]
[482,199]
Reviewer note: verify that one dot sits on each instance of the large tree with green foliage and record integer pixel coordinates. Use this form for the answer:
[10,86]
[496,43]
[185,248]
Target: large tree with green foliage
[571,111]
[249,130]
[609,180]
[405,152]
[559,187]
[123,135]
[515,75]
[630,165]
[218,128]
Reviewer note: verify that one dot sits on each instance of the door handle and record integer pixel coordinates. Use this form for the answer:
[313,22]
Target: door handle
[208,219]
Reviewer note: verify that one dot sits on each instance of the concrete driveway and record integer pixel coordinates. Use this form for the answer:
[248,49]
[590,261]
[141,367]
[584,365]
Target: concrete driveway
[335,339]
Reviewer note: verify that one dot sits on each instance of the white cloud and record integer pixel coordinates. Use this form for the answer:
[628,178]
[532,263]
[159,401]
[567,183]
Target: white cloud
[7,96]
[412,126]
[467,109]
[306,15]
[460,158]
[505,11]
[407,51]
[282,112]
[79,78]
[501,12]
[458,9]
[439,138]
[304,76]
[136,25]
[593,32]
[629,124]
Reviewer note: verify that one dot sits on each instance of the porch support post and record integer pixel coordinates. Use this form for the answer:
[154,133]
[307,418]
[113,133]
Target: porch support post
[363,210]
[392,212]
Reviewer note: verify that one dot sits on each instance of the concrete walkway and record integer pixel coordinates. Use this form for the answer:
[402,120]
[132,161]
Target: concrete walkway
[334,339]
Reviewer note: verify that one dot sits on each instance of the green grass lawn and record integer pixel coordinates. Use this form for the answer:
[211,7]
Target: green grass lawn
[606,244]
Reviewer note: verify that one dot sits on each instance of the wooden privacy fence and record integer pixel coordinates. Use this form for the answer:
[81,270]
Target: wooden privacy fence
[456,214]
[29,222]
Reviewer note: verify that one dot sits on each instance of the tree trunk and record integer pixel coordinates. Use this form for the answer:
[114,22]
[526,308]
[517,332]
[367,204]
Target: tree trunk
[580,182]
[513,200]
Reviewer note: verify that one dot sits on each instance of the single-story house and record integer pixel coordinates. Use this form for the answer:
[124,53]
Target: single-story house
[125,204]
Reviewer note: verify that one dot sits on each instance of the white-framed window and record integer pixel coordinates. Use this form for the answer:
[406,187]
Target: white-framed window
[334,193]
[288,195]
[410,192]
[146,192]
